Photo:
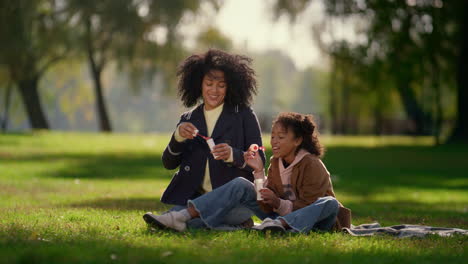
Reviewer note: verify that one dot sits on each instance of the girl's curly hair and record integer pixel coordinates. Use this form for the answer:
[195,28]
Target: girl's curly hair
[239,77]
[302,126]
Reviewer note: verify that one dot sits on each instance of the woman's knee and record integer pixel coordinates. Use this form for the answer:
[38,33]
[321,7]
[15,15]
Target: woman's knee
[242,183]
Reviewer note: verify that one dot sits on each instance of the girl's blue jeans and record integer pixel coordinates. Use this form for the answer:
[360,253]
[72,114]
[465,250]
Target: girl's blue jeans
[239,193]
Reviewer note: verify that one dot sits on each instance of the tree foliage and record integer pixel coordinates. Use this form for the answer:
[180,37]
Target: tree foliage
[129,33]
[138,36]
[34,36]
[411,47]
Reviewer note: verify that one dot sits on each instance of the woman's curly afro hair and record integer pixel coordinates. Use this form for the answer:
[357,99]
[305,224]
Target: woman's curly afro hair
[239,77]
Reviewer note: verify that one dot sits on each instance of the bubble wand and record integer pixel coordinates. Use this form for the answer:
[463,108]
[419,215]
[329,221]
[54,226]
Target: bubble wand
[209,141]
[200,135]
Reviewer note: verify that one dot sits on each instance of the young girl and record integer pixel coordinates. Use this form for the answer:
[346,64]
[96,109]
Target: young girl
[298,193]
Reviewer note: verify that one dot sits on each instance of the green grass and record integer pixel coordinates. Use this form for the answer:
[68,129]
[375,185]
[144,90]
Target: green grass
[79,198]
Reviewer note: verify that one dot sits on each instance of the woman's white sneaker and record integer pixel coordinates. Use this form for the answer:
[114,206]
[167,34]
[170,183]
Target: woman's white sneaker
[172,220]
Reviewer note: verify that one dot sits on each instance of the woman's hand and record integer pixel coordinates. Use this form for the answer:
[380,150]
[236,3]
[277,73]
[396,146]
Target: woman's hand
[221,151]
[253,160]
[187,130]
[270,198]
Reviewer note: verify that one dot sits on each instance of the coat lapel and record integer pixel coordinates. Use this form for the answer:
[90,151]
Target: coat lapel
[198,120]
[223,123]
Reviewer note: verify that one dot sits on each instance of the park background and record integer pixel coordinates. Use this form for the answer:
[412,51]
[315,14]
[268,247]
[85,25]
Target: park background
[88,102]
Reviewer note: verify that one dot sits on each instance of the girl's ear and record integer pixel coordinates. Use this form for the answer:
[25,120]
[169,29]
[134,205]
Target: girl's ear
[298,141]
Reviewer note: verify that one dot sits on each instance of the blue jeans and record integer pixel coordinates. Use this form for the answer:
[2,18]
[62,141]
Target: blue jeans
[231,221]
[215,205]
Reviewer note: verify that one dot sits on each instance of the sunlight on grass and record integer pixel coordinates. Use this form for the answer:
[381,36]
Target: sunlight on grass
[89,143]
[367,141]
[376,141]
[79,197]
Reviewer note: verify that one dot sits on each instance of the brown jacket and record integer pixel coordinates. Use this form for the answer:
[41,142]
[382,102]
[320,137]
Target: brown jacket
[310,180]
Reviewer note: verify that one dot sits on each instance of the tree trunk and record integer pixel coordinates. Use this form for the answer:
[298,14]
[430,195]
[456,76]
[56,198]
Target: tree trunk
[32,104]
[412,108]
[104,122]
[439,116]
[332,100]
[96,72]
[438,112]
[402,67]
[432,48]
[345,102]
[460,132]
[378,113]
[6,112]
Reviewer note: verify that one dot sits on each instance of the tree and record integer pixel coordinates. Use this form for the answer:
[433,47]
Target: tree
[123,31]
[33,36]
[460,132]
[7,100]
[211,37]
[419,44]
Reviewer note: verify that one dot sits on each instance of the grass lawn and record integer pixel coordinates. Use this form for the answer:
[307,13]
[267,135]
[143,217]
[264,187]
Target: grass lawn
[79,198]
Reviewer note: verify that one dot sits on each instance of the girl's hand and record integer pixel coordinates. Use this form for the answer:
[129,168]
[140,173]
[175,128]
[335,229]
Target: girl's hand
[221,151]
[270,198]
[253,160]
[187,130]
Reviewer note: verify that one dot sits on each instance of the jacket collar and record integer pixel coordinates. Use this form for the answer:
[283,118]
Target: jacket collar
[277,180]
[197,118]
[224,122]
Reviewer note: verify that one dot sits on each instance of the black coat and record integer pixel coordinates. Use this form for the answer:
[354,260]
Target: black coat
[236,126]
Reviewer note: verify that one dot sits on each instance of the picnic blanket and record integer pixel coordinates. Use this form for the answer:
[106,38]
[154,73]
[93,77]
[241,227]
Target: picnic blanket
[402,230]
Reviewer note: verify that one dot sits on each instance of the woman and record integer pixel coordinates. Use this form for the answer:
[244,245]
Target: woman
[298,195]
[225,85]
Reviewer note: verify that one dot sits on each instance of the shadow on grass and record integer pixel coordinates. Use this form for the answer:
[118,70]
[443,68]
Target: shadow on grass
[386,213]
[18,245]
[409,212]
[364,171]
[130,204]
[356,170]
[120,165]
